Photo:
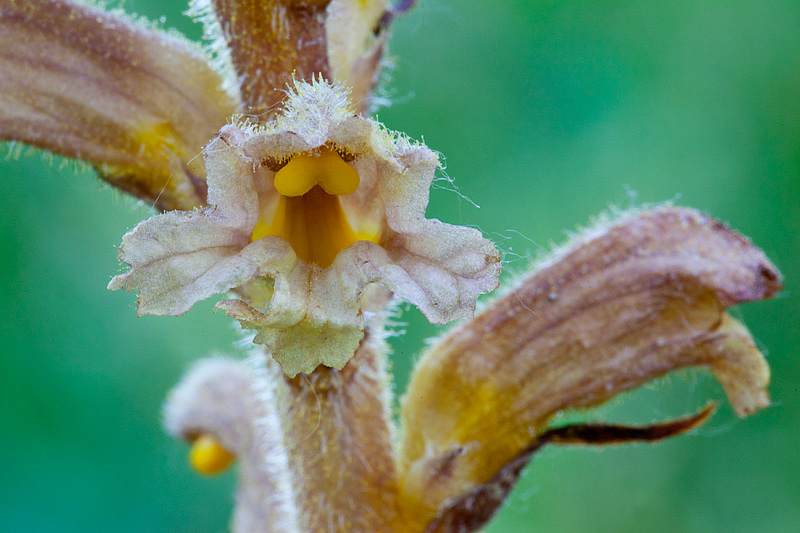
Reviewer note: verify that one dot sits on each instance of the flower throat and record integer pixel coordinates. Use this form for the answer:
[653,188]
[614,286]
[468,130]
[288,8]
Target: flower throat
[309,215]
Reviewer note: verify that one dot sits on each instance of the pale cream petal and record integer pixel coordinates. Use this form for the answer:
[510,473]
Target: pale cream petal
[442,271]
[180,258]
[314,317]
[623,304]
[172,284]
[138,103]
[438,267]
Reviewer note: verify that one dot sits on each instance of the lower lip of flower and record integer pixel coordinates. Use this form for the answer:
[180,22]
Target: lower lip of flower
[308,214]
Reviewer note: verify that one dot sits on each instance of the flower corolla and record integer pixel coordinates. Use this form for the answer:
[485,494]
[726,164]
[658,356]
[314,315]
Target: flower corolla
[303,212]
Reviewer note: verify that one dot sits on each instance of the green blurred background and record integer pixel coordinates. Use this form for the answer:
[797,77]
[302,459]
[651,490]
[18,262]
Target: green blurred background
[547,112]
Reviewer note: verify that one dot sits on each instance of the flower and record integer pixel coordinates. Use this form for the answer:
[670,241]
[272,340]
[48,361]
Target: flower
[305,211]
[623,303]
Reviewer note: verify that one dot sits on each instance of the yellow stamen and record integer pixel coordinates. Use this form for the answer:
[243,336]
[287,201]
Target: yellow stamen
[325,168]
[207,456]
[308,215]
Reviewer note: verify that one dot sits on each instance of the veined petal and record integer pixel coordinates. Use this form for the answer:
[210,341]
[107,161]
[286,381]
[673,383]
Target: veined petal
[179,258]
[624,304]
[314,317]
[137,103]
[440,268]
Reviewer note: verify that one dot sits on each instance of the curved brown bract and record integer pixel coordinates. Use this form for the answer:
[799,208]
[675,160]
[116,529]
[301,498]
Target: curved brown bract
[623,304]
[137,103]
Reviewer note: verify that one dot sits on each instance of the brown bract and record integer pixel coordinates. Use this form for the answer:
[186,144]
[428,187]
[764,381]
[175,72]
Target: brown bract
[623,304]
[475,508]
[137,103]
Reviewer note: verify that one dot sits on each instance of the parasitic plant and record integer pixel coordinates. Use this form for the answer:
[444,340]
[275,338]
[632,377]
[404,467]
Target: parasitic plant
[311,216]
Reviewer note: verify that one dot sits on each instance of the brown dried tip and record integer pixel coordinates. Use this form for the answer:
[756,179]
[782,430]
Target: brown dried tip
[621,305]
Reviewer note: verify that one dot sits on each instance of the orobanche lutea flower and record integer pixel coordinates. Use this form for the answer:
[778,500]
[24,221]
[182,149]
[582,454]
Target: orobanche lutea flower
[305,211]
[312,216]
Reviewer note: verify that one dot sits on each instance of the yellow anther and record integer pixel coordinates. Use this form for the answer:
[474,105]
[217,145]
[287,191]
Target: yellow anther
[325,168]
[207,456]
